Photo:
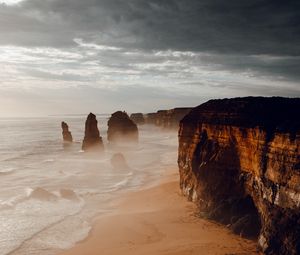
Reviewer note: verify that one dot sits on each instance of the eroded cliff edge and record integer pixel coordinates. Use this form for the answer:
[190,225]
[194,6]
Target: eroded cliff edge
[239,159]
[167,119]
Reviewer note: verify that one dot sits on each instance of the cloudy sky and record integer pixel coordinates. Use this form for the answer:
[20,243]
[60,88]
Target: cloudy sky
[75,56]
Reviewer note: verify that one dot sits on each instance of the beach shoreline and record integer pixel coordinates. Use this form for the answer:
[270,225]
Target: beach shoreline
[159,220]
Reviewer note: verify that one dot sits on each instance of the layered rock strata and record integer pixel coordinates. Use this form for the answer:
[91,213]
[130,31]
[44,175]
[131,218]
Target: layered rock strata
[92,138]
[239,160]
[150,118]
[67,136]
[137,118]
[168,119]
[121,128]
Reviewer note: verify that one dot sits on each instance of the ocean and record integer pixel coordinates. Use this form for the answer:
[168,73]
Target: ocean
[50,193]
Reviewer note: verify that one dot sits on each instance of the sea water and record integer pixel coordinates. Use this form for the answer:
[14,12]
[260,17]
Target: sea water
[49,192]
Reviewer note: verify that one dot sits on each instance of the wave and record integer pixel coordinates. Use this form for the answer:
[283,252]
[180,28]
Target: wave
[8,170]
[49,160]
[129,174]
[117,186]
[121,183]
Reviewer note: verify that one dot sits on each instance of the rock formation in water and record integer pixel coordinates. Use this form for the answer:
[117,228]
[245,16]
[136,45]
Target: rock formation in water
[121,128]
[92,138]
[239,160]
[68,194]
[118,162]
[137,118]
[43,195]
[67,136]
[168,119]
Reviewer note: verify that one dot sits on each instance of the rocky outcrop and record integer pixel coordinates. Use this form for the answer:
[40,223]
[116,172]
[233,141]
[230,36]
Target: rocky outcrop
[68,194]
[118,162]
[239,160]
[168,119]
[137,118]
[67,136]
[121,128]
[150,118]
[92,138]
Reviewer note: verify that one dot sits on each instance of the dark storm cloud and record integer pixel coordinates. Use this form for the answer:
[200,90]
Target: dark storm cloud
[244,27]
[257,37]
[281,67]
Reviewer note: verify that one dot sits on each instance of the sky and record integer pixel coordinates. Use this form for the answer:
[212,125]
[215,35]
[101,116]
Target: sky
[75,57]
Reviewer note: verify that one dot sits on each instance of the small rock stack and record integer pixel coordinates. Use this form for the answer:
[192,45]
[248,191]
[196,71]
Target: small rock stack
[92,138]
[67,136]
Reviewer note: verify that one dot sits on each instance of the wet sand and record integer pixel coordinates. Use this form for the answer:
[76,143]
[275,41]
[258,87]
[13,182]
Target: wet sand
[159,221]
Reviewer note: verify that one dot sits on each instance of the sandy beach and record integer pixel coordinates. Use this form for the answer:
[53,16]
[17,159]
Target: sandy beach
[159,220]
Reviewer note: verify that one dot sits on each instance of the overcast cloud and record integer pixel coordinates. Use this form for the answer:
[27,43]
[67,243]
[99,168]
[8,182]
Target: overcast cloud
[144,55]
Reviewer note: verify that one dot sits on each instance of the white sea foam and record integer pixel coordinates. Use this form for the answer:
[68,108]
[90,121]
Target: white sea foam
[120,184]
[31,216]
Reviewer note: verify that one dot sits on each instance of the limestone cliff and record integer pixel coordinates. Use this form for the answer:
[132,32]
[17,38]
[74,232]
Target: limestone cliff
[137,118]
[121,128]
[67,136]
[168,119]
[92,138]
[150,118]
[239,159]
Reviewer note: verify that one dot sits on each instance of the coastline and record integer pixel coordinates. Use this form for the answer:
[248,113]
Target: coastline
[159,220]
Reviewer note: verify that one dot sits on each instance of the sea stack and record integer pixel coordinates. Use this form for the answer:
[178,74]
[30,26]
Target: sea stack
[137,118]
[67,136]
[118,162]
[121,128]
[92,138]
[239,160]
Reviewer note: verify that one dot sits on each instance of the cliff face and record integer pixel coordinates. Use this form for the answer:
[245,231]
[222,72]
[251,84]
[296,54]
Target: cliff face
[168,119]
[150,118]
[137,118]
[67,136]
[239,159]
[121,128]
[92,138]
